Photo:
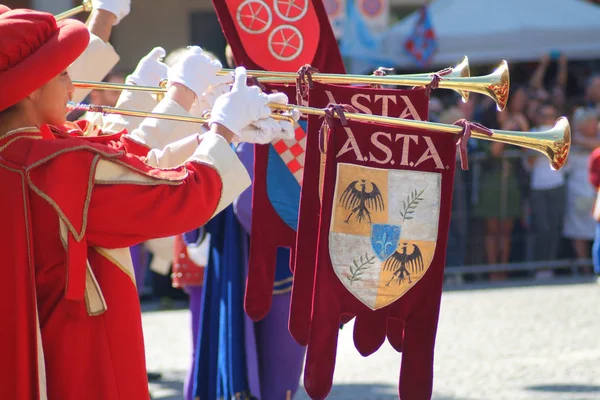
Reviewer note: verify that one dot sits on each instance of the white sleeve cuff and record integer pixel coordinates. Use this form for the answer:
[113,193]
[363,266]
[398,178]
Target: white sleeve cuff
[158,133]
[174,154]
[162,251]
[215,151]
[98,59]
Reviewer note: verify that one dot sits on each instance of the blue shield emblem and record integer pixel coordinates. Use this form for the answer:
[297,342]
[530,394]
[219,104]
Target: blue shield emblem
[384,239]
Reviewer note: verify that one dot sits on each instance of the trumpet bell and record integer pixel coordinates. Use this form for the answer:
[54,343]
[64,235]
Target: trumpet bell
[554,143]
[461,70]
[464,71]
[495,85]
[557,143]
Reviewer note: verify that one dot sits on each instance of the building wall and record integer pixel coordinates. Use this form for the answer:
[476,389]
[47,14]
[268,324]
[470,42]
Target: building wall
[17,3]
[51,6]
[156,23]
[170,24]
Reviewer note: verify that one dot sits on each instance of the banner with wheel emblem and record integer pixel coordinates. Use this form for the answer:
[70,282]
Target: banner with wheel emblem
[279,35]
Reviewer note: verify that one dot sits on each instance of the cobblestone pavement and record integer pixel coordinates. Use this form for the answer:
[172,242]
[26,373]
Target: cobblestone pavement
[524,340]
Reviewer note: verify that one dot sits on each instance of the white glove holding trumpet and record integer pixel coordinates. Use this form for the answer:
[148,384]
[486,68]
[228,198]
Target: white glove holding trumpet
[268,130]
[198,72]
[245,112]
[151,70]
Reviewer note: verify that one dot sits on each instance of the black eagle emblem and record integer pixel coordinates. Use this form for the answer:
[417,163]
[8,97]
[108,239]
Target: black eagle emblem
[400,263]
[360,202]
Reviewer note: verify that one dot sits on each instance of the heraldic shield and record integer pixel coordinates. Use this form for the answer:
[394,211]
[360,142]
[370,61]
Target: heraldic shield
[384,228]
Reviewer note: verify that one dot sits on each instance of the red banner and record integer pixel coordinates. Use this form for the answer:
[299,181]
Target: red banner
[409,104]
[387,195]
[269,231]
[279,35]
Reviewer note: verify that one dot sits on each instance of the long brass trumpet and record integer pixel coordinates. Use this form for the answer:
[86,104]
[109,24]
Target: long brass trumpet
[461,73]
[495,85]
[143,114]
[554,143]
[86,6]
[461,70]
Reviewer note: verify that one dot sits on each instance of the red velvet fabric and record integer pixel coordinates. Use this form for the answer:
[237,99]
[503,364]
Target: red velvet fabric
[17,291]
[325,57]
[265,237]
[34,48]
[90,356]
[418,308]
[409,104]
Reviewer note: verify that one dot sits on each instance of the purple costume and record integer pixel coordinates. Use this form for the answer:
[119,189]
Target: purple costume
[139,256]
[280,358]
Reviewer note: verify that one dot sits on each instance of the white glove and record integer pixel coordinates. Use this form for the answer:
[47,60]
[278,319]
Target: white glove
[150,70]
[120,8]
[207,101]
[267,130]
[197,71]
[240,107]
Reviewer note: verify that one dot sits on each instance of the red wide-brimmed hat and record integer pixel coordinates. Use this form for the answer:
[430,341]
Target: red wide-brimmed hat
[34,48]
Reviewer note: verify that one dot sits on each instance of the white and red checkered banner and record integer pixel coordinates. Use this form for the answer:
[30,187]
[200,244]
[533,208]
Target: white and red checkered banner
[292,152]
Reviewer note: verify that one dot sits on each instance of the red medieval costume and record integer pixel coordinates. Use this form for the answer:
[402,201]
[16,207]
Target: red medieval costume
[70,317]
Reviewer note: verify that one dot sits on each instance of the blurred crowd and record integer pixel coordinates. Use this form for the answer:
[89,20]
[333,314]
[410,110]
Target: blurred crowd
[511,206]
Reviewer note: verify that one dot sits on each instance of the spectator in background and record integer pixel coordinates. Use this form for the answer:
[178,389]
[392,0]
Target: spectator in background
[104,97]
[499,194]
[592,93]
[108,97]
[557,93]
[547,195]
[579,226]
[436,107]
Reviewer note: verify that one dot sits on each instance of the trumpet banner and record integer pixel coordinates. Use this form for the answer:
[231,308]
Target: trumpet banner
[387,197]
[409,104]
